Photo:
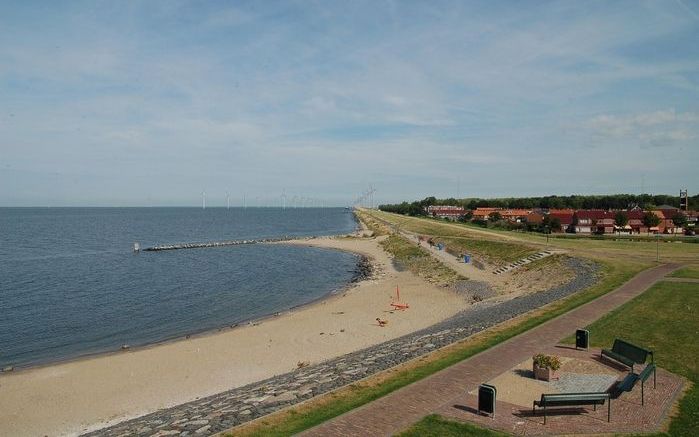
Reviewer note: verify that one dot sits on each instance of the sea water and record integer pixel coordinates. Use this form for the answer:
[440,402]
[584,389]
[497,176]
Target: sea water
[71,285]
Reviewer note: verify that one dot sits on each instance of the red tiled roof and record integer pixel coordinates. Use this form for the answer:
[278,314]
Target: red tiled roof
[596,214]
[566,218]
[635,214]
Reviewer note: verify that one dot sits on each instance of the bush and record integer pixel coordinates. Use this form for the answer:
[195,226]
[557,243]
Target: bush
[547,361]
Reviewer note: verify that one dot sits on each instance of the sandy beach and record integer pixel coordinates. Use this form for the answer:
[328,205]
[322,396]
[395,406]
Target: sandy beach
[78,396]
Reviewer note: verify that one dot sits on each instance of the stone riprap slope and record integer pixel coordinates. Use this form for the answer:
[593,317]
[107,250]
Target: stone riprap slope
[222,411]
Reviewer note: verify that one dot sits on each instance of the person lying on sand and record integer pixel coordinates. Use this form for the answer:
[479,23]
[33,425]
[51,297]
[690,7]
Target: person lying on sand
[381,322]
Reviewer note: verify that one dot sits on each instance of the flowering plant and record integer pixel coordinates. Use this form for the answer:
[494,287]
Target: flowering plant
[547,361]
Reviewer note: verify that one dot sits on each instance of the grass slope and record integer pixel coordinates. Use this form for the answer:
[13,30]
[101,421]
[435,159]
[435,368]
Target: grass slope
[419,261]
[460,239]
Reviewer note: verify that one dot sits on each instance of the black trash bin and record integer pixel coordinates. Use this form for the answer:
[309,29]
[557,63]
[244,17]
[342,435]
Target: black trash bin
[486,399]
[582,339]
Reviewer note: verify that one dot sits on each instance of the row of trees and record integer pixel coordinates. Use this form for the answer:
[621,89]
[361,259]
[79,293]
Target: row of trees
[612,201]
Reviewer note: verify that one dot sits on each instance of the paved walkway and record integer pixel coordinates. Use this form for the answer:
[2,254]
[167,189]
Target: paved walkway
[402,408]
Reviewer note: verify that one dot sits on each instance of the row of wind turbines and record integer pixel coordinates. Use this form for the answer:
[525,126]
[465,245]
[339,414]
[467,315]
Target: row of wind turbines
[282,201]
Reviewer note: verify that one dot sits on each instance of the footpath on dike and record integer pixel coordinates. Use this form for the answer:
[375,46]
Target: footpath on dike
[402,408]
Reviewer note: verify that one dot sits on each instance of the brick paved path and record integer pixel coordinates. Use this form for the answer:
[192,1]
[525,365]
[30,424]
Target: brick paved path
[402,408]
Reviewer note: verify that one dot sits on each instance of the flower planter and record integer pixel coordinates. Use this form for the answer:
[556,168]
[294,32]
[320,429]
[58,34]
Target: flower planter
[544,373]
[545,366]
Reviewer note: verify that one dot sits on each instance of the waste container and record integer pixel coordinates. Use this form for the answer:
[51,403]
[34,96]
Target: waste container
[486,399]
[582,339]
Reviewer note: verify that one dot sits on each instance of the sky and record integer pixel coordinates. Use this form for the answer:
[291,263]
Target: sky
[151,103]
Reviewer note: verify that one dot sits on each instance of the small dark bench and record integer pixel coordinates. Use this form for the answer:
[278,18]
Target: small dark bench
[573,399]
[628,383]
[627,353]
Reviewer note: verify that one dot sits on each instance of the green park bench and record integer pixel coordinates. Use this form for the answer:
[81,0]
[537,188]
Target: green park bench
[627,353]
[628,383]
[573,399]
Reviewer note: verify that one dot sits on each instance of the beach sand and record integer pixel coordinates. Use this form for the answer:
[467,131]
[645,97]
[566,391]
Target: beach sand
[87,394]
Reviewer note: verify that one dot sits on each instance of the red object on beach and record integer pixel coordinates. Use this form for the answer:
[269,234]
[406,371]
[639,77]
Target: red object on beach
[397,305]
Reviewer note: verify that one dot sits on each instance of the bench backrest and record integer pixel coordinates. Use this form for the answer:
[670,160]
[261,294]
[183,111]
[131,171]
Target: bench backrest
[646,372]
[633,352]
[574,397]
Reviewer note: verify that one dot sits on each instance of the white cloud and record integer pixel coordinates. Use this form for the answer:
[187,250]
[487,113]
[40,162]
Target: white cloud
[657,128]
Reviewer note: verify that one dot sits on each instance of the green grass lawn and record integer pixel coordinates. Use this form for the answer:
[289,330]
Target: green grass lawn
[687,272]
[436,426]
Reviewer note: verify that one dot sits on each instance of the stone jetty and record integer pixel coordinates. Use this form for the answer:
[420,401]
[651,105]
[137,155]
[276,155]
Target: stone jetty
[217,244]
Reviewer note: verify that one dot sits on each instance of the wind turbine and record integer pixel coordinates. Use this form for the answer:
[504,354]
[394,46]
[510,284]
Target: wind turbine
[203,200]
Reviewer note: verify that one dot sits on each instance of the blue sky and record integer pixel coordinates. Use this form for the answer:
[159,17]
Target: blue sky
[150,103]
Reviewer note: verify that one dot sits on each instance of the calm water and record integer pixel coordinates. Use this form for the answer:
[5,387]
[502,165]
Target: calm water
[70,284]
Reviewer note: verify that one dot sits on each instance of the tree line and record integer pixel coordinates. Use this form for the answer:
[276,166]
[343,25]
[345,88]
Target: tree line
[611,201]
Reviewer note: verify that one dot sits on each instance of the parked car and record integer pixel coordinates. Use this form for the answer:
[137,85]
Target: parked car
[689,232]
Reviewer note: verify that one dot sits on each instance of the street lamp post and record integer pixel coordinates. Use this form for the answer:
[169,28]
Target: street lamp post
[657,247]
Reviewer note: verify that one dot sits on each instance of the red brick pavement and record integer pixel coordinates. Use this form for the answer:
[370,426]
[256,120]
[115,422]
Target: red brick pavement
[446,392]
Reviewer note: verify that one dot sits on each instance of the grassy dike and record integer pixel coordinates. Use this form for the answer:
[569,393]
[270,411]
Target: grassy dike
[316,411]
[419,261]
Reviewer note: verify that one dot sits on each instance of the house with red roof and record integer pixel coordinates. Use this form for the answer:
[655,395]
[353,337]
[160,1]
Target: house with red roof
[636,224]
[446,211]
[564,216]
[535,217]
[514,215]
[594,221]
[483,213]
